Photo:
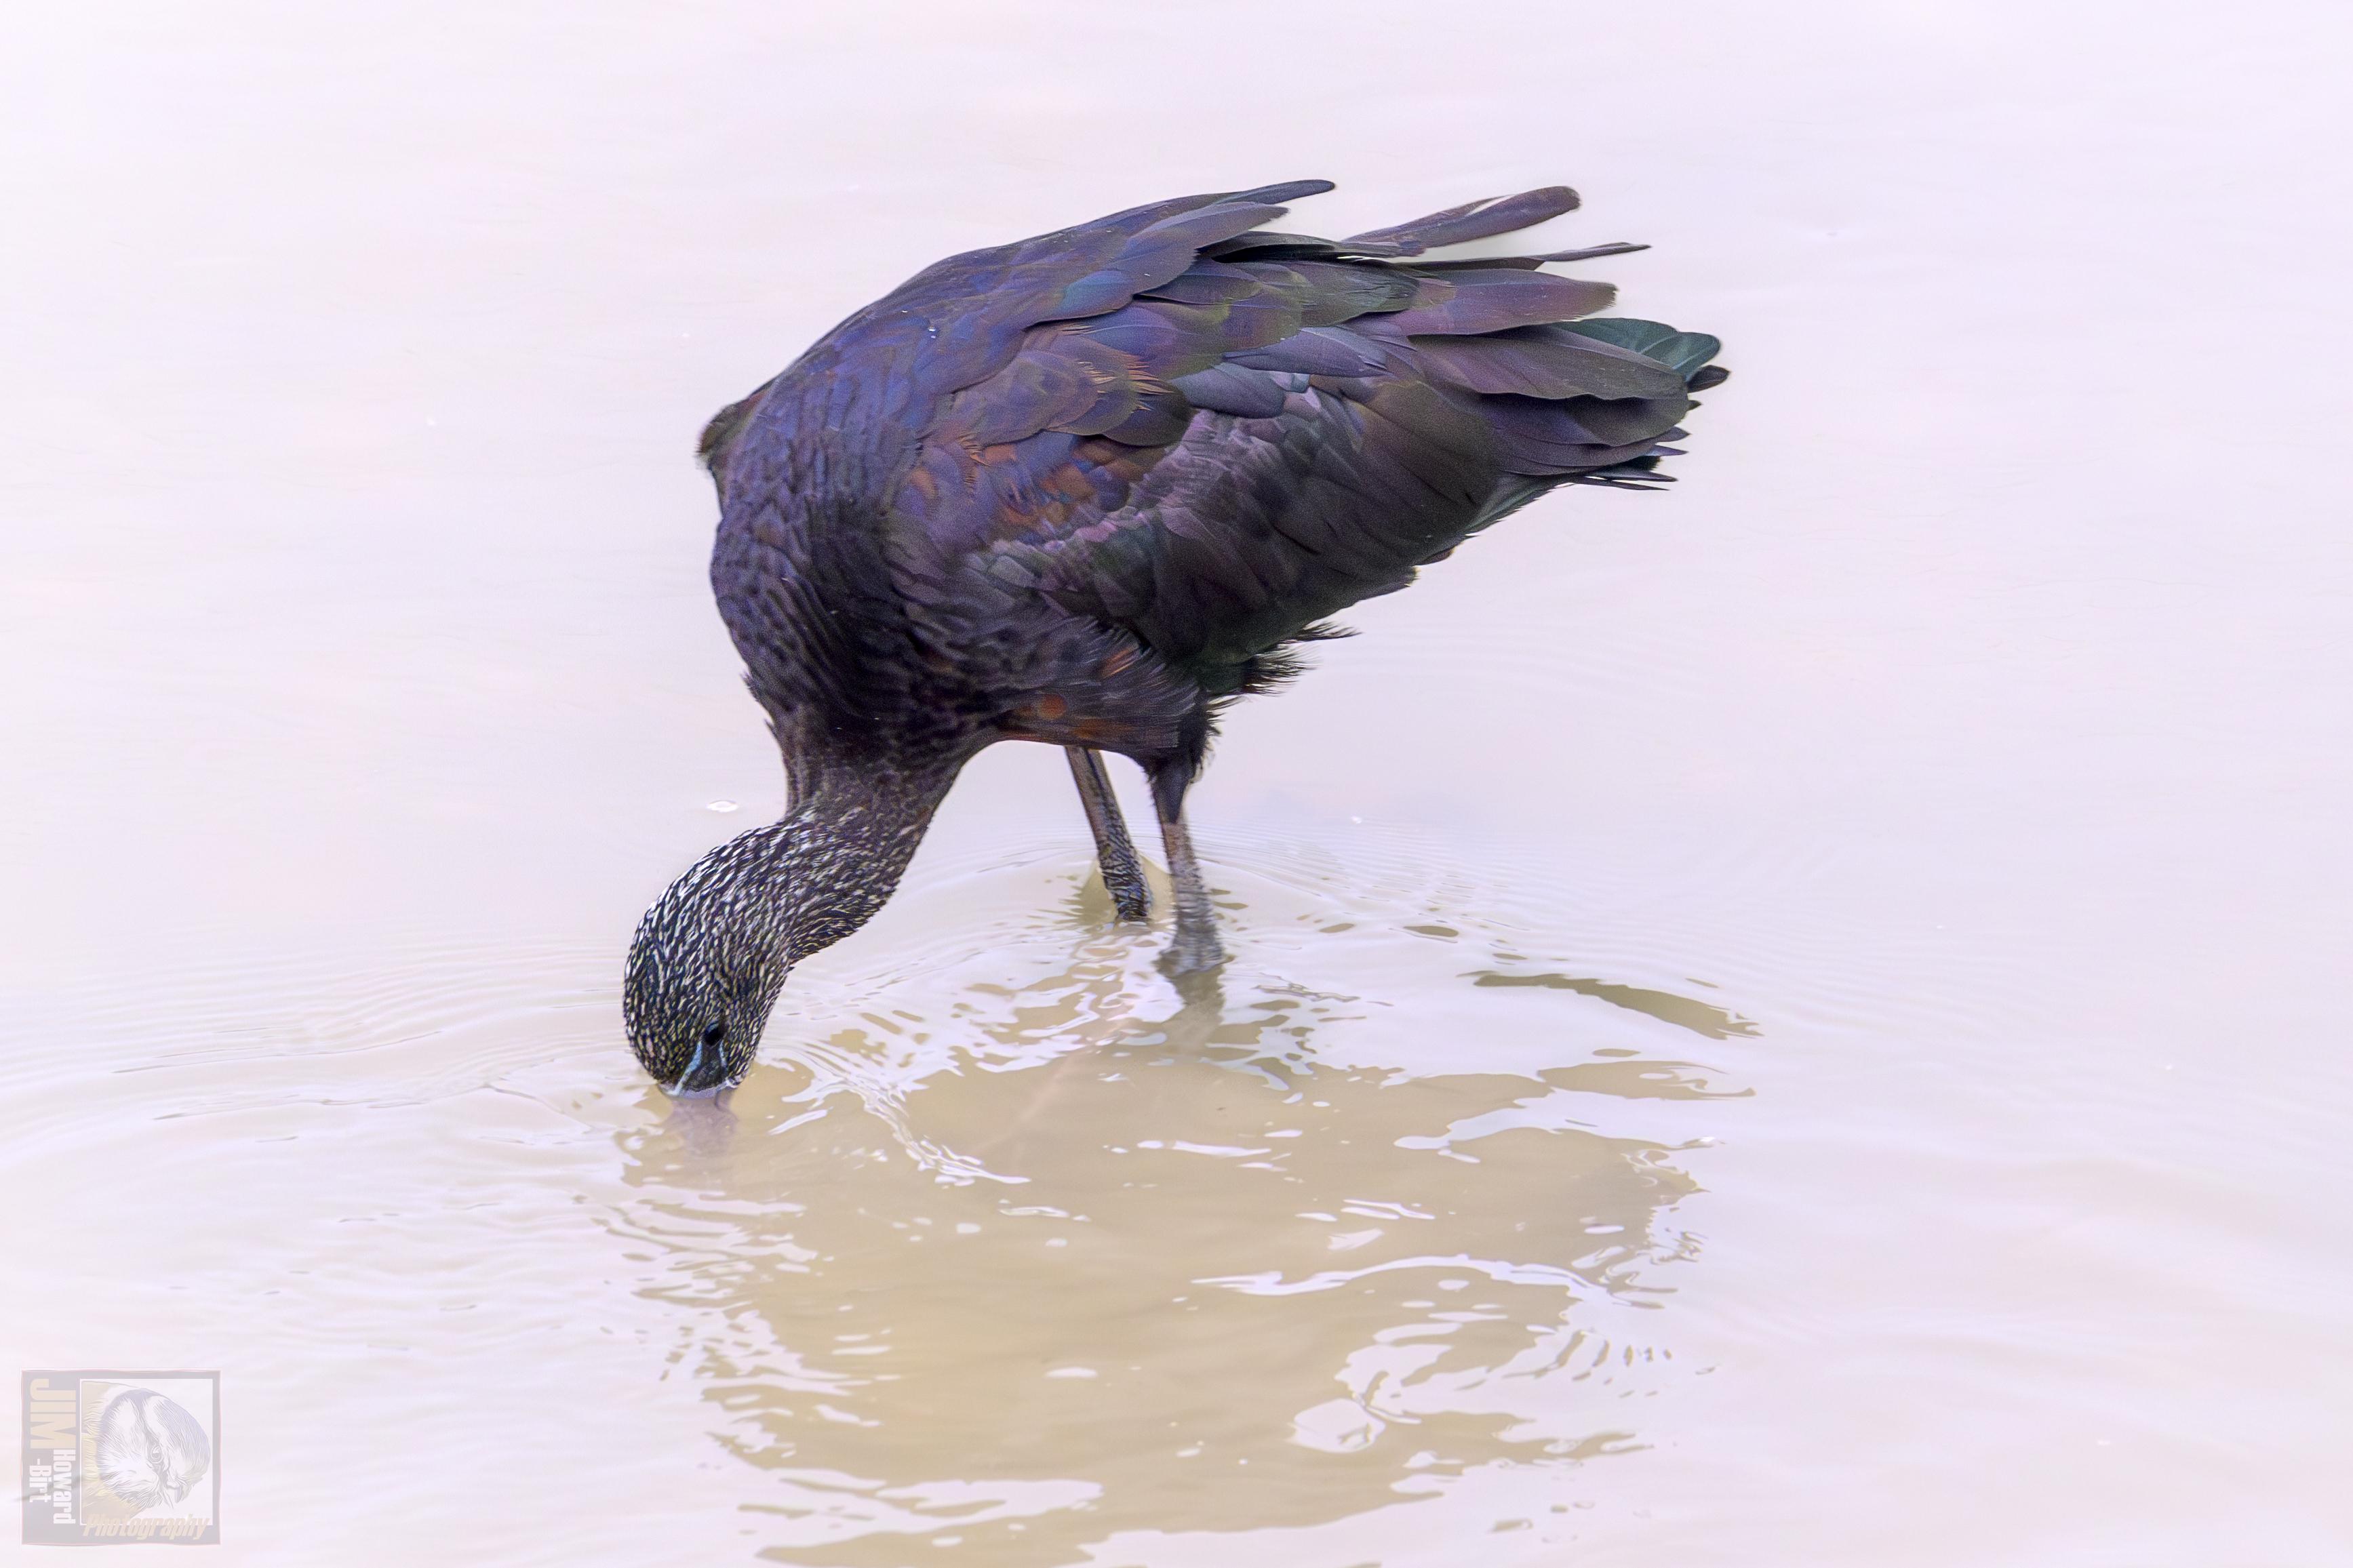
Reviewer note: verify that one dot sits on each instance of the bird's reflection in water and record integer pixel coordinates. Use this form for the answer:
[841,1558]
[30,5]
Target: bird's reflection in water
[702,1128]
[1017,1269]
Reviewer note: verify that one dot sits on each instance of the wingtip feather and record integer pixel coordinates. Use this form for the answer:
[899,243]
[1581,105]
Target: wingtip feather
[1289,191]
[1480,219]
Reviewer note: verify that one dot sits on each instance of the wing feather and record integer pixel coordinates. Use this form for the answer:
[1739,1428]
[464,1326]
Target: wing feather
[1498,301]
[1477,220]
[1546,362]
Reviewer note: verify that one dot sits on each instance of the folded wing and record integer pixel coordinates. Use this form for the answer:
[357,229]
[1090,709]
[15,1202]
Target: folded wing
[1213,434]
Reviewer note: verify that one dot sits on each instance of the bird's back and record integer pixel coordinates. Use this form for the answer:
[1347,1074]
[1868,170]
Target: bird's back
[1142,455]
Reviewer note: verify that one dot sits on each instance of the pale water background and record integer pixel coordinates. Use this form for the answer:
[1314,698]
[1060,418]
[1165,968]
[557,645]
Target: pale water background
[1800,1020]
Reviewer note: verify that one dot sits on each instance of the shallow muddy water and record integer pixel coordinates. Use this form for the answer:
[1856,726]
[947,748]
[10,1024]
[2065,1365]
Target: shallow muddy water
[1794,1020]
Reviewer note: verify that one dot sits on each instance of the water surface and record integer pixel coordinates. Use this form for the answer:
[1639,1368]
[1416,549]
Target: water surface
[1793,1020]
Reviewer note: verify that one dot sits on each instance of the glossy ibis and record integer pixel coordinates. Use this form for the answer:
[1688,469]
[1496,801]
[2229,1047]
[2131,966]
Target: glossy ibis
[1086,490]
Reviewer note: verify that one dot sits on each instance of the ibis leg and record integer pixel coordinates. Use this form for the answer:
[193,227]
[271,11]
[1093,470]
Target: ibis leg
[1197,947]
[1122,873]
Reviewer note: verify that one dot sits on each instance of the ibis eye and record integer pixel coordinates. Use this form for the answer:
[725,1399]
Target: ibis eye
[713,1035]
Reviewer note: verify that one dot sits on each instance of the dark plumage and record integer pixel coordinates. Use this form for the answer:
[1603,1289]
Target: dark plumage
[1084,489]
